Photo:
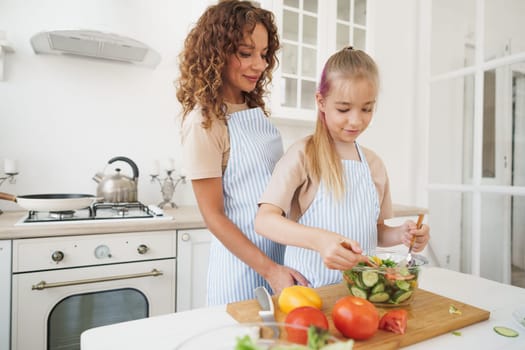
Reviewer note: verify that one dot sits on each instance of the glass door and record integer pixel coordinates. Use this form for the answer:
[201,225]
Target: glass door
[476,145]
[312,30]
[518,178]
[299,53]
[77,313]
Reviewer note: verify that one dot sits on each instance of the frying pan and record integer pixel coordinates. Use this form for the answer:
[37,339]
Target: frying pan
[51,202]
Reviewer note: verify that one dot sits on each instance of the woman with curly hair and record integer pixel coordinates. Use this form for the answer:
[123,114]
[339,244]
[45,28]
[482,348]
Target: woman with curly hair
[230,146]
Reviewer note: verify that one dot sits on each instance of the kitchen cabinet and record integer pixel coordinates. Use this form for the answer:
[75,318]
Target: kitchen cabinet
[310,32]
[5,292]
[193,248]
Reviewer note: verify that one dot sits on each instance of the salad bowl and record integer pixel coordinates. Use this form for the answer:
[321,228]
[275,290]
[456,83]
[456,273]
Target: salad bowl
[258,336]
[385,281]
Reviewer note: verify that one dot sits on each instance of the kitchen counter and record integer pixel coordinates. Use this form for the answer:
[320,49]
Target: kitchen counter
[184,217]
[166,331]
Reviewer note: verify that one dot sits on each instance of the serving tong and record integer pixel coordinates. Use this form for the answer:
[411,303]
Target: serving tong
[370,262]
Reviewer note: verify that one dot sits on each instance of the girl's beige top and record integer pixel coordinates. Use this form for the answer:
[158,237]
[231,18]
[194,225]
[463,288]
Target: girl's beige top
[292,190]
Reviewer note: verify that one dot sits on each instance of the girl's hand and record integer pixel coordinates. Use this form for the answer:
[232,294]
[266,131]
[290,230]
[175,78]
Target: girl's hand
[410,230]
[340,253]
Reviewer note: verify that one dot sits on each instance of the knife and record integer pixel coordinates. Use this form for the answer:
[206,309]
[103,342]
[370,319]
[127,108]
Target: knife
[267,309]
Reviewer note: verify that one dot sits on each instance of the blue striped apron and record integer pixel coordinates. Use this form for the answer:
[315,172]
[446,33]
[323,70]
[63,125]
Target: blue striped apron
[255,147]
[354,216]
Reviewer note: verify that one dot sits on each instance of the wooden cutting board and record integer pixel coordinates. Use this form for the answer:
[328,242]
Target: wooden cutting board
[428,316]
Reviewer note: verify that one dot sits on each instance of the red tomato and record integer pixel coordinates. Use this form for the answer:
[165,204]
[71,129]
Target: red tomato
[394,321]
[355,317]
[304,316]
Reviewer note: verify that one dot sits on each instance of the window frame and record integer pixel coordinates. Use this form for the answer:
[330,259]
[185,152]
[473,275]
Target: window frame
[326,45]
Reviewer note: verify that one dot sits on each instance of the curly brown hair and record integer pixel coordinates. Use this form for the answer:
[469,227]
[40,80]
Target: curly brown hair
[216,36]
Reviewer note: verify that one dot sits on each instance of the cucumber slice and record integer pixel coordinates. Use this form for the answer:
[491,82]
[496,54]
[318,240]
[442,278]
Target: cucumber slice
[403,271]
[401,296]
[379,297]
[506,331]
[359,281]
[358,292]
[380,287]
[369,278]
[403,285]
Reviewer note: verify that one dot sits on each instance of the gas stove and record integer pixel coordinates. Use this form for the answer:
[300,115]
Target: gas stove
[98,211]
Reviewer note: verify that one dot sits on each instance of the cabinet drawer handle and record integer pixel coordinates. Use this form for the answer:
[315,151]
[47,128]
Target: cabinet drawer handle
[185,237]
[43,284]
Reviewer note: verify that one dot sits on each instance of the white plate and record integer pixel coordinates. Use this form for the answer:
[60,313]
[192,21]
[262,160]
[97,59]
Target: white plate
[519,316]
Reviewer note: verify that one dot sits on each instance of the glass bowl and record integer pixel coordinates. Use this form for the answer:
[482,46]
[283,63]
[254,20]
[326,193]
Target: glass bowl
[385,286]
[262,334]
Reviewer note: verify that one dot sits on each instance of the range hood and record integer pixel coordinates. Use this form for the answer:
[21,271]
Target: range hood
[96,44]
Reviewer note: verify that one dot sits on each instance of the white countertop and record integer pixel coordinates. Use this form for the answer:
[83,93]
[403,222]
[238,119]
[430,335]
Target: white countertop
[165,332]
[184,217]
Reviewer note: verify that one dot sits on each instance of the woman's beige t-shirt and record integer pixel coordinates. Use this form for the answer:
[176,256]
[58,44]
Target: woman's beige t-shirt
[206,151]
[292,190]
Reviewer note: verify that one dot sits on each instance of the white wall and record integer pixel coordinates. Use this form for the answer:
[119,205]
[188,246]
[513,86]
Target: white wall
[392,133]
[63,118]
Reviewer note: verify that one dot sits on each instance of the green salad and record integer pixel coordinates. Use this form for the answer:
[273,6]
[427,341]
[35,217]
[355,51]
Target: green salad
[382,283]
[317,340]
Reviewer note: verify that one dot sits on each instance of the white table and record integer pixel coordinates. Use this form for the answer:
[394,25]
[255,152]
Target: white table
[165,332]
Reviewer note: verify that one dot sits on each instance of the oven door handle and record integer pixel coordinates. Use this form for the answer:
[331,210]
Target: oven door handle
[44,285]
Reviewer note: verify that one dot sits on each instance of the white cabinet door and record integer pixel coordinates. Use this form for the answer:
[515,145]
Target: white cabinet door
[5,293]
[193,248]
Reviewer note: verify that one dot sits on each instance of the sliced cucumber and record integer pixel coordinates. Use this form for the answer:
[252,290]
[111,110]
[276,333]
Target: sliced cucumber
[403,271]
[403,285]
[369,278]
[358,292]
[379,297]
[380,287]
[506,331]
[359,281]
[401,296]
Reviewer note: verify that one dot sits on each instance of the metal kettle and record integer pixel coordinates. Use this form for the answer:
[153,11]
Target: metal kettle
[118,188]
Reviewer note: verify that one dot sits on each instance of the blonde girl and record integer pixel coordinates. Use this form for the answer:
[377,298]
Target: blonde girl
[328,189]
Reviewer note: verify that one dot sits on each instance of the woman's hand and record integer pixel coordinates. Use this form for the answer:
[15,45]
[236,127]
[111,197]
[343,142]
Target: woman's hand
[422,235]
[280,277]
[340,253]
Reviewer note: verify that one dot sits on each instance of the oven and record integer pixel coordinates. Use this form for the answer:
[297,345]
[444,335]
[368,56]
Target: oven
[64,285]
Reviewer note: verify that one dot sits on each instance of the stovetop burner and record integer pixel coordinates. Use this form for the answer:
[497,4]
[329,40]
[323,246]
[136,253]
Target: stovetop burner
[62,215]
[98,211]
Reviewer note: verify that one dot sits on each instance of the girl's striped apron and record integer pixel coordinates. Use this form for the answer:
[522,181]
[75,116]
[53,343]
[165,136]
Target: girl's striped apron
[354,216]
[255,147]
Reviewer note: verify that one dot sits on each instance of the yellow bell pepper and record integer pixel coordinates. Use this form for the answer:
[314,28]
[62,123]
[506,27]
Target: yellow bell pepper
[295,296]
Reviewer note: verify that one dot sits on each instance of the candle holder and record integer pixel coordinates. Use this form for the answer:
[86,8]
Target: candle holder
[8,177]
[167,187]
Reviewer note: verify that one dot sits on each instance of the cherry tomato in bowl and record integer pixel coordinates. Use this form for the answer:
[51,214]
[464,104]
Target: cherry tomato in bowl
[303,316]
[355,317]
